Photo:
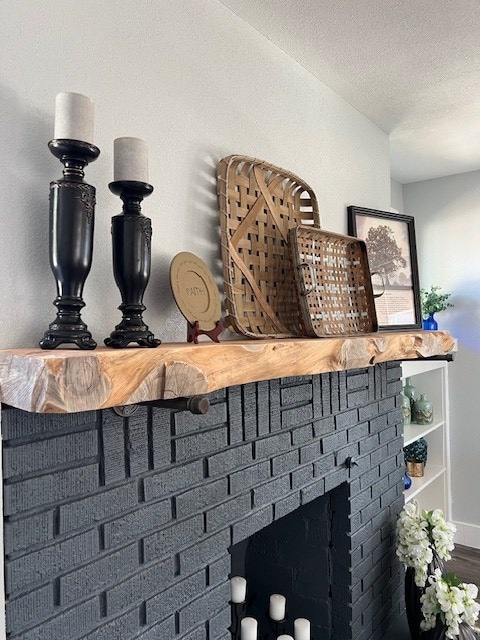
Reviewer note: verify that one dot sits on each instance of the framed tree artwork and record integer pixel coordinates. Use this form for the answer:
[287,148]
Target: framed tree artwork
[392,257]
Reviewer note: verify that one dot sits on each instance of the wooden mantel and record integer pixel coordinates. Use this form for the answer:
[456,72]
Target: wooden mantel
[68,380]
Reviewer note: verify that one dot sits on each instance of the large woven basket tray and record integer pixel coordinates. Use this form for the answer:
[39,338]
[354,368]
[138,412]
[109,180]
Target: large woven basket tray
[334,282]
[258,204]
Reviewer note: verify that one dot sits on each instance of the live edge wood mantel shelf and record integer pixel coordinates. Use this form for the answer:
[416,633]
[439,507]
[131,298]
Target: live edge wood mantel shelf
[67,380]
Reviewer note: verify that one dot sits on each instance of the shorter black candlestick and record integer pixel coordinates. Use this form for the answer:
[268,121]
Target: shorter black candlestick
[131,242]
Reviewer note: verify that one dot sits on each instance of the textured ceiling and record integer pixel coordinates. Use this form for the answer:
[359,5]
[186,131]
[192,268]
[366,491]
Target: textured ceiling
[411,66]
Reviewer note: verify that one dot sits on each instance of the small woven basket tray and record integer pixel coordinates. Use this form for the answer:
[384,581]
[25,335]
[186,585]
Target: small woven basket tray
[259,203]
[334,283]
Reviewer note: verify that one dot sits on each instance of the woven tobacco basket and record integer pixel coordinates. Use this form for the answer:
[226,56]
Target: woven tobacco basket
[334,283]
[258,204]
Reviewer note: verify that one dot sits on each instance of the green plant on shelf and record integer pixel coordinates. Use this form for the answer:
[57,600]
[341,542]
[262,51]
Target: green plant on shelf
[416,451]
[432,301]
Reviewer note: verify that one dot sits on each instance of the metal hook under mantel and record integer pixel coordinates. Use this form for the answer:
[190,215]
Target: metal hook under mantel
[198,405]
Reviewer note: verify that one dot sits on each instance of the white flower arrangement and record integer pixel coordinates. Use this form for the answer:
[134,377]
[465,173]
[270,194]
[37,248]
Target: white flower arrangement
[452,600]
[420,535]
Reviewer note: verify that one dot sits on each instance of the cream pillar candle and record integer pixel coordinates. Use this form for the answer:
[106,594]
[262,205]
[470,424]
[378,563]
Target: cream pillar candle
[301,629]
[249,627]
[73,117]
[238,589]
[277,606]
[130,159]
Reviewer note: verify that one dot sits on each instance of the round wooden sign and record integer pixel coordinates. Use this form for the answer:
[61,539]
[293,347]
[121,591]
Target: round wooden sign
[195,290]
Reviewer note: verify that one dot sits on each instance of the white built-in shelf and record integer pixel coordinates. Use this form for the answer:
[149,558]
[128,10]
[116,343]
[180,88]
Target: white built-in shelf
[413,431]
[432,490]
[432,472]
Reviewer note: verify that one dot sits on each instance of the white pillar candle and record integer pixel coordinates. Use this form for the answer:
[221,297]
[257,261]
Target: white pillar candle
[238,589]
[130,159]
[249,628]
[301,629]
[284,637]
[73,117]
[277,606]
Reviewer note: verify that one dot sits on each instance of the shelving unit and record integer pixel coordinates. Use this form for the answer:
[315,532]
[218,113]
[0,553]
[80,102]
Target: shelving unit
[433,489]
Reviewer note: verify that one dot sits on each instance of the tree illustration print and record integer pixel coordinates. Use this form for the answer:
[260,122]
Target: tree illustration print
[384,254]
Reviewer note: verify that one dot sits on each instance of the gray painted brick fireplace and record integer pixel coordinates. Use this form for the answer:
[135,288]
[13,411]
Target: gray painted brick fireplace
[120,528]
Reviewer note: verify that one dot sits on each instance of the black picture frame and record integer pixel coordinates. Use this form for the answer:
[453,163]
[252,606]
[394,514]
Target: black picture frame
[399,307]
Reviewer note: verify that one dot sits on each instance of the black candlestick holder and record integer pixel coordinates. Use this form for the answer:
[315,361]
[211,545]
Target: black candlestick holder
[131,242]
[239,610]
[277,627]
[72,206]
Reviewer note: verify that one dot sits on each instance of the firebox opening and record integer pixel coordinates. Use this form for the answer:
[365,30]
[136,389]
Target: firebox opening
[305,557]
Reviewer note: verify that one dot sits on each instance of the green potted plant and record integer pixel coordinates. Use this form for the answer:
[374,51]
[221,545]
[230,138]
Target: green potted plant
[416,457]
[432,302]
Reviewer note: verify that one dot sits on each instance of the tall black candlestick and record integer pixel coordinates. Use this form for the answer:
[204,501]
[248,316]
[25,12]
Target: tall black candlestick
[72,205]
[131,242]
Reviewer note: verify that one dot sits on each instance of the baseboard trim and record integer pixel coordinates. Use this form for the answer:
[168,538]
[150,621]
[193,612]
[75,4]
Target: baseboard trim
[467,534]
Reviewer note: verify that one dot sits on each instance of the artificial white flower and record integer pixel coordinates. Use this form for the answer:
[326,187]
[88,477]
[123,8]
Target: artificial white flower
[453,601]
[420,535]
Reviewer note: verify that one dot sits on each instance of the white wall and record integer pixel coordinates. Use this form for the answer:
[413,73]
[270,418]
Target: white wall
[447,222]
[198,84]
[397,196]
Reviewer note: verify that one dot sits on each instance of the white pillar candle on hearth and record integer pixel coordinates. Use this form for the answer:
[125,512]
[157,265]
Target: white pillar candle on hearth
[238,589]
[301,629]
[73,117]
[130,159]
[249,628]
[277,606]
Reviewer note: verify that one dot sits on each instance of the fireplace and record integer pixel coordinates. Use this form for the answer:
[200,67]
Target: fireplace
[121,527]
[304,556]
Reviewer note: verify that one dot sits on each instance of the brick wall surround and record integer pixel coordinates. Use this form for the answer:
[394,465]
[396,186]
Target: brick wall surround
[119,529]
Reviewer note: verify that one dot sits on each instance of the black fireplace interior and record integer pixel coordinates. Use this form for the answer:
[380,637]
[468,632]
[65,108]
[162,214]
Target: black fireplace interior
[303,556]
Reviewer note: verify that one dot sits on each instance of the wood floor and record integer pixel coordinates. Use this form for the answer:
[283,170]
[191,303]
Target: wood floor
[465,563]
